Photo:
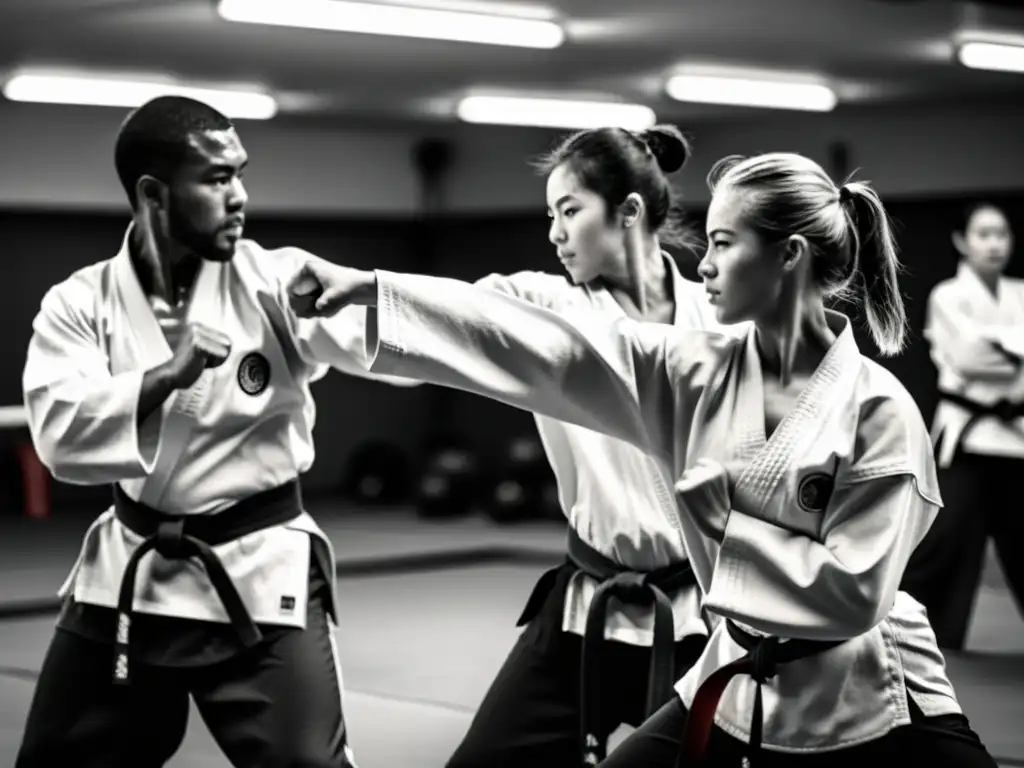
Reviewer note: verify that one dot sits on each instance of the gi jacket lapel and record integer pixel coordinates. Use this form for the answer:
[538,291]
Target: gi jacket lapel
[151,344]
[181,410]
[829,387]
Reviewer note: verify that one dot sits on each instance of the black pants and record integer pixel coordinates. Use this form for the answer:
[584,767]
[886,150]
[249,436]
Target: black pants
[277,705]
[530,716]
[936,742]
[979,494]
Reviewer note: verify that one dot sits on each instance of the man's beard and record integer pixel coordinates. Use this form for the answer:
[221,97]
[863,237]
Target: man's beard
[204,245]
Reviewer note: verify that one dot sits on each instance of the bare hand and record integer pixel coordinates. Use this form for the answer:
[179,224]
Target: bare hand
[200,348]
[321,289]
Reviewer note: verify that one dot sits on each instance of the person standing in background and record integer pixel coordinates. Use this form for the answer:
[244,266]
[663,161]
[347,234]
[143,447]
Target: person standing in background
[975,329]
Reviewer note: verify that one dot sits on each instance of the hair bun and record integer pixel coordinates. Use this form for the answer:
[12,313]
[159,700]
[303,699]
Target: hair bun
[669,146]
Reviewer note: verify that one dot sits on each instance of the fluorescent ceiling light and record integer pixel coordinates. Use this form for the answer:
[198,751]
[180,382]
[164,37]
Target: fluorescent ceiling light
[554,113]
[399,21]
[101,91]
[751,92]
[1000,57]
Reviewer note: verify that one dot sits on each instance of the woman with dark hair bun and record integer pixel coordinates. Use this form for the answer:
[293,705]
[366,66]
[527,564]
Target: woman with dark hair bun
[587,662]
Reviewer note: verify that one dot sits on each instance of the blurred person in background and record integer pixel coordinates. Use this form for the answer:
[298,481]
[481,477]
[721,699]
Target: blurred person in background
[975,329]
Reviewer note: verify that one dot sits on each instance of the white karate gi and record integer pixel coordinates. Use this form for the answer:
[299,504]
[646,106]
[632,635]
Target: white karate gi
[821,526]
[965,323]
[206,448]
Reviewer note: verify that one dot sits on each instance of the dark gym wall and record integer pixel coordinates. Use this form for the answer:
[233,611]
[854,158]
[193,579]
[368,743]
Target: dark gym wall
[42,248]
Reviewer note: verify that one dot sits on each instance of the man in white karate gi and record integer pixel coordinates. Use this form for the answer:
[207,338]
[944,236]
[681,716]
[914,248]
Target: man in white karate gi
[176,373]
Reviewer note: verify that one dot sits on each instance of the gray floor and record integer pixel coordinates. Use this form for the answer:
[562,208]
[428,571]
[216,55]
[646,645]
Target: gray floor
[462,620]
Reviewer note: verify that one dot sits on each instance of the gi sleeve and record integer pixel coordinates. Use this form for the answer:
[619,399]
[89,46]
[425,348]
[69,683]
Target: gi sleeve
[607,375]
[83,419]
[1010,340]
[959,342]
[538,288]
[791,585]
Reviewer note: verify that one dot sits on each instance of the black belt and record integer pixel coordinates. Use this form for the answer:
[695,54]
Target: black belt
[761,661]
[1004,410]
[632,587]
[179,537]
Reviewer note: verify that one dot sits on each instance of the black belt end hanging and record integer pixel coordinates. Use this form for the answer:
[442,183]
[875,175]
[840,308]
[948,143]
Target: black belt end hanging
[122,669]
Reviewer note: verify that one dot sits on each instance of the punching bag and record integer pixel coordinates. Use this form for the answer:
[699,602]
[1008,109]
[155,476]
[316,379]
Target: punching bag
[378,473]
[449,483]
[518,490]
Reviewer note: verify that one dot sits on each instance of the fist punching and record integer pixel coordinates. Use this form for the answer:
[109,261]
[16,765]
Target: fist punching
[322,289]
[200,348]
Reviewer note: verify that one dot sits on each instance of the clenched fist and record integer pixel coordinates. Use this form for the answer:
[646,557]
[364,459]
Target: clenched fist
[200,348]
[322,289]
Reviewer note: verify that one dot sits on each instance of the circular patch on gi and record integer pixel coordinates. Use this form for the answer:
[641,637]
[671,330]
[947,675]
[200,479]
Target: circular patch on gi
[814,492]
[253,374]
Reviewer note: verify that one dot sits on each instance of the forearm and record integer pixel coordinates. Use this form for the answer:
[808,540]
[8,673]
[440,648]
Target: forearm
[971,349]
[338,340]
[973,361]
[598,375]
[364,290]
[157,385]
[793,585]
[1010,342]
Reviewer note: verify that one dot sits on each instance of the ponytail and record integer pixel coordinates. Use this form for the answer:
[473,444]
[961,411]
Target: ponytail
[874,251]
[852,245]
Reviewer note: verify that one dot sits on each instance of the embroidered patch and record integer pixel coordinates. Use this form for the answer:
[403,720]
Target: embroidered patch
[287,604]
[814,492]
[253,374]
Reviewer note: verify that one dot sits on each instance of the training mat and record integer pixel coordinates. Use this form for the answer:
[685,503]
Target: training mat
[419,651]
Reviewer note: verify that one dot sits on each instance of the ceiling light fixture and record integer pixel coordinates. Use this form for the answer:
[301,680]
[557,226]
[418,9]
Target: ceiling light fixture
[997,57]
[751,92]
[398,20]
[107,91]
[554,113]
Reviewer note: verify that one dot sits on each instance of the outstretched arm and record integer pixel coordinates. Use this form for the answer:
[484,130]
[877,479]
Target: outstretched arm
[337,341]
[617,377]
[578,367]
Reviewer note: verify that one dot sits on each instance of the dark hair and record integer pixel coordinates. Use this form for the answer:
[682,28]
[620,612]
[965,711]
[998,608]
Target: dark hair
[969,211]
[154,139]
[852,245]
[614,163]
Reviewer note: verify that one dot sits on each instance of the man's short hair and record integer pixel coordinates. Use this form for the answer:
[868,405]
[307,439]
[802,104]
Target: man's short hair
[154,139]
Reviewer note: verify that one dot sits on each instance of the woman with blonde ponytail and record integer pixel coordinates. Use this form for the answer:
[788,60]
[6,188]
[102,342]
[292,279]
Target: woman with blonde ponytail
[801,470]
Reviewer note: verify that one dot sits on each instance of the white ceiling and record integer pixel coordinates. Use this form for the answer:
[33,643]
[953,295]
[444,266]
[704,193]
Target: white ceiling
[873,51]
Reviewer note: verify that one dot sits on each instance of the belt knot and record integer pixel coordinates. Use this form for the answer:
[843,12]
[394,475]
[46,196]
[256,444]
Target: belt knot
[631,587]
[763,659]
[170,539]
